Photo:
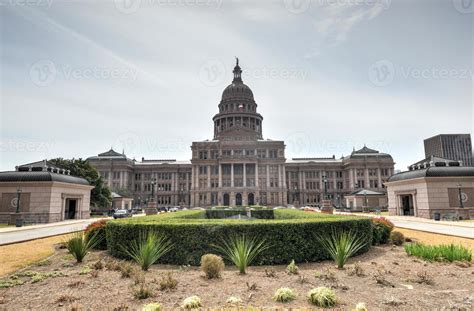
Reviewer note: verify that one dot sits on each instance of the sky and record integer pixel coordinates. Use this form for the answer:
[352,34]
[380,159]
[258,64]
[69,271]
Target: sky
[145,76]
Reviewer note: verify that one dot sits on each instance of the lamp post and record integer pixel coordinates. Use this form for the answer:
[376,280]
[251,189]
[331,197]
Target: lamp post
[461,204]
[18,219]
[18,193]
[153,182]
[325,181]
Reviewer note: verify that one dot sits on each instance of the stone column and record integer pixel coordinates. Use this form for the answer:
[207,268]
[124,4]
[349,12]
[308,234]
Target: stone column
[379,177]
[268,176]
[220,175]
[351,179]
[279,175]
[232,175]
[367,178]
[245,175]
[256,175]
[208,176]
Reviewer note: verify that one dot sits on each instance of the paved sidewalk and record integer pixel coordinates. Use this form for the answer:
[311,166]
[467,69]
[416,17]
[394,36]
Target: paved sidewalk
[454,228]
[13,235]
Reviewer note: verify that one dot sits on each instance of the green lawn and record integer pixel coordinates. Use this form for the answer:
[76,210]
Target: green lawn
[5,225]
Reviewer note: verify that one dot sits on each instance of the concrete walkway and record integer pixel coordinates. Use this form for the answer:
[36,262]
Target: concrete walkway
[454,228]
[11,235]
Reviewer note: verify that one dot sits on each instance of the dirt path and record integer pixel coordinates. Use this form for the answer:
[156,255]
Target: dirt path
[19,255]
[434,239]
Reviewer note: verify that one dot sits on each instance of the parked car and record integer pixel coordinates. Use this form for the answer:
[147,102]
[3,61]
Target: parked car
[122,213]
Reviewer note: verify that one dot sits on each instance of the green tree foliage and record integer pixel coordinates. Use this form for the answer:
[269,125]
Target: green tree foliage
[101,195]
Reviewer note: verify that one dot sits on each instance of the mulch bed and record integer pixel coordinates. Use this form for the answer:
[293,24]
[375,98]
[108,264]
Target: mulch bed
[388,280]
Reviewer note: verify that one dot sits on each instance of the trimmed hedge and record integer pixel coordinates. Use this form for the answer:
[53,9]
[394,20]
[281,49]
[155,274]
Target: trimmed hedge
[226,213]
[291,234]
[98,228]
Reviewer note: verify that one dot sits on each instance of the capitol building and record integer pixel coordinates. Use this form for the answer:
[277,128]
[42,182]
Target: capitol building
[238,167]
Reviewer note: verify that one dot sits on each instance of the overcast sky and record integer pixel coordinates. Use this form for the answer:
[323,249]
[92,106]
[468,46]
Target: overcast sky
[79,77]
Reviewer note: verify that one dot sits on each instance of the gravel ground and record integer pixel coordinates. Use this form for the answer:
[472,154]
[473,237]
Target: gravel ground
[390,280]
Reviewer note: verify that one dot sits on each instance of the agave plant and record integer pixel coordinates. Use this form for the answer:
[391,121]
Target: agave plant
[242,250]
[147,249]
[342,245]
[80,244]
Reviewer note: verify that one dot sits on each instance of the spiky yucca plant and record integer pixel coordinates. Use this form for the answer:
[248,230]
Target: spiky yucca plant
[147,249]
[242,250]
[80,244]
[342,245]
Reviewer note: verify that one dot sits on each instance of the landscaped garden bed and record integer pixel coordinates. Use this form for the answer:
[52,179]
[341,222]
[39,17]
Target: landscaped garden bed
[292,234]
[381,277]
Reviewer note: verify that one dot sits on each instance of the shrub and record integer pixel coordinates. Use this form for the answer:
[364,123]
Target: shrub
[152,307]
[381,228]
[98,265]
[242,250]
[98,228]
[361,307]
[148,249]
[342,245]
[126,269]
[234,300]
[168,282]
[441,252]
[397,238]
[80,244]
[284,294]
[212,265]
[191,302]
[193,236]
[142,291]
[85,270]
[292,268]
[322,297]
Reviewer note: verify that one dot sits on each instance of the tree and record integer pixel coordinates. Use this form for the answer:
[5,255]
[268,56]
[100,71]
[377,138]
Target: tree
[101,195]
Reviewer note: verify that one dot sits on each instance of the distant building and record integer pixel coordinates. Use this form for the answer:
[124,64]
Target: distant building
[238,167]
[434,189]
[47,194]
[456,147]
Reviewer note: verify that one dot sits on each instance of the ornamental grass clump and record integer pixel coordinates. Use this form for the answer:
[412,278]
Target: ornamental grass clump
[284,294]
[441,252]
[212,266]
[242,250]
[322,297]
[147,249]
[292,268]
[397,238]
[98,227]
[191,302]
[152,307]
[80,244]
[342,245]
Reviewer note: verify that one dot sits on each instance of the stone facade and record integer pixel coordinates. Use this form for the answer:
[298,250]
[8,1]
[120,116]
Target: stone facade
[434,190]
[239,167]
[44,197]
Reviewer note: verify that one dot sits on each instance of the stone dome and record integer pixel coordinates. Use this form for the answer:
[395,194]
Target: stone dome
[237,89]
